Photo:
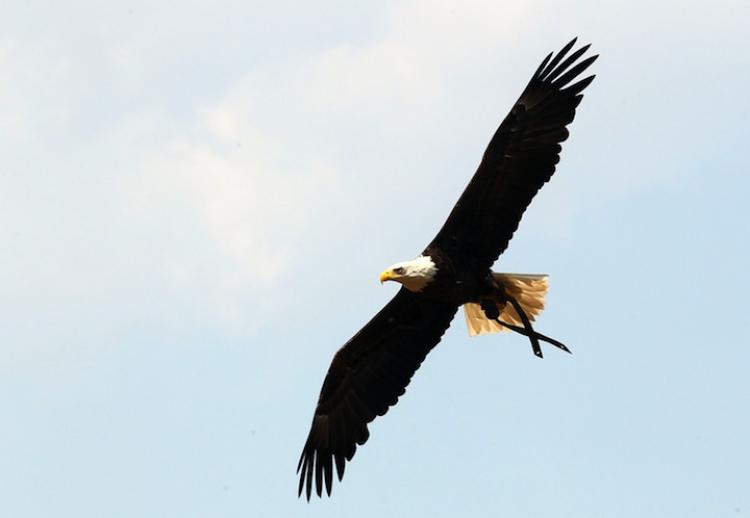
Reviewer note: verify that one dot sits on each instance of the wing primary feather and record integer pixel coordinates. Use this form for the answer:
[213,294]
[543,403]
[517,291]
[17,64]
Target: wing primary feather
[552,64]
[541,66]
[309,475]
[577,88]
[351,450]
[328,472]
[339,446]
[346,439]
[303,465]
[350,423]
[571,74]
[302,457]
[319,472]
[565,64]
[340,465]
[301,483]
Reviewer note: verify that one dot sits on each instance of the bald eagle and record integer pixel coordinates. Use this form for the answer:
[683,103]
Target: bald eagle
[370,372]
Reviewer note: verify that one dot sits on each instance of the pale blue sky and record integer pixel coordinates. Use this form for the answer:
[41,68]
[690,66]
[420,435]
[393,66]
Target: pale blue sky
[196,201]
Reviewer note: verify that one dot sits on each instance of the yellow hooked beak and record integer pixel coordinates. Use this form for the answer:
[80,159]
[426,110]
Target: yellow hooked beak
[387,275]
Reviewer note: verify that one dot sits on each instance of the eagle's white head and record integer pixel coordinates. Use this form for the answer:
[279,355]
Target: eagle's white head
[414,274]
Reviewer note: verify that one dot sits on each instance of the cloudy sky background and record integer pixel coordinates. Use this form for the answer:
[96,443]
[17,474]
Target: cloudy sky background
[196,200]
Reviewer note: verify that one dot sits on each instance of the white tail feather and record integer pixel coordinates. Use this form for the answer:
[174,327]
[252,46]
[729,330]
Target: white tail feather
[529,290]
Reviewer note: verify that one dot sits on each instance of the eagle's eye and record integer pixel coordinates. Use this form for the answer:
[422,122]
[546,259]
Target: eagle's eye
[399,270]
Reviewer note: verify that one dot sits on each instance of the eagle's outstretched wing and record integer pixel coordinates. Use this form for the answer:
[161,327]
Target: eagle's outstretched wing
[367,375]
[520,158]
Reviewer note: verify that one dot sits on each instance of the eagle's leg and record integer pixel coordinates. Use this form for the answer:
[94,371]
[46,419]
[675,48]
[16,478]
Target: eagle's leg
[527,327]
[528,330]
[491,308]
[540,336]
[493,305]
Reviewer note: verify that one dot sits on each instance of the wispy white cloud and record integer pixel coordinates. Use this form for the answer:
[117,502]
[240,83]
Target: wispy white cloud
[213,170]
[120,182]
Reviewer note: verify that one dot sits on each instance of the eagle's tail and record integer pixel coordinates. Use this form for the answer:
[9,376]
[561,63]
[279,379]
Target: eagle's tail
[529,290]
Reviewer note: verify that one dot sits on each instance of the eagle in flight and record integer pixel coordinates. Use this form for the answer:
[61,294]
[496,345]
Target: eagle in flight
[370,372]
